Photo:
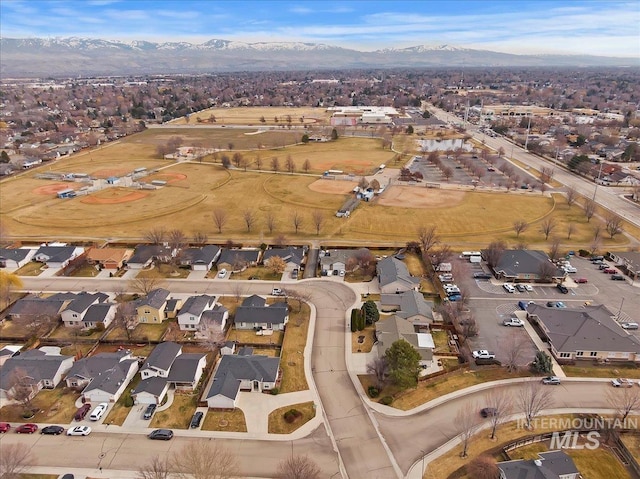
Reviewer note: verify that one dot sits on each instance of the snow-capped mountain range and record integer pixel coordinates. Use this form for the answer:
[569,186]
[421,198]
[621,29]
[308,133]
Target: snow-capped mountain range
[37,57]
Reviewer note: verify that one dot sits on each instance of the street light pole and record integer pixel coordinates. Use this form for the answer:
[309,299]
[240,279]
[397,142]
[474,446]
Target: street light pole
[526,141]
[597,180]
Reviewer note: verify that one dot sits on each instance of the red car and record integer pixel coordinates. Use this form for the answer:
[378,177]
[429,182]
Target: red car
[581,280]
[27,428]
[82,412]
[609,271]
[4,426]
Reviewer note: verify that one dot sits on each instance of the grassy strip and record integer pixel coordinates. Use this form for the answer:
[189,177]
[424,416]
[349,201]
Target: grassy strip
[292,359]
[231,421]
[277,424]
[603,371]
[179,414]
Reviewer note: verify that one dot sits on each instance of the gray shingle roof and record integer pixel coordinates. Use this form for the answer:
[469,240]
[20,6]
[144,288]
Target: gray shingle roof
[14,254]
[154,386]
[83,300]
[204,255]
[34,306]
[162,356]
[35,364]
[230,256]
[591,328]
[410,303]
[56,254]
[111,380]
[91,367]
[96,313]
[394,328]
[234,368]
[184,368]
[155,298]
[145,252]
[289,255]
[197,304]
[254,300]
[551,465]
[274,314]
[391,269]
[514,262]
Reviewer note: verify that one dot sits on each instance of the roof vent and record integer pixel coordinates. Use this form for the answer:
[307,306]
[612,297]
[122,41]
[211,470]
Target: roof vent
[537,462]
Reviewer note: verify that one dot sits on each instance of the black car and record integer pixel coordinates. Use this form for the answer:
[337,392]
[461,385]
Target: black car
[488,412]
[617,277]
[55,430]
[161,434]
[196,419]
[562,288]
[148,413]
[482,275]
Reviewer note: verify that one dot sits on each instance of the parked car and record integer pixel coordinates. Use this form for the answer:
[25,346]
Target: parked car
[79,431]
[562,288]
[148,413]
[483,354]
[196,420]
[617,277]
[161,434]
[622,383]
[629,325]
[488,412]
[596,258]
[516,322]
[27,428]
[523,305]
[509,288]
[560,304]
[603,266]
[55,430]
[455,297]
[4,426]
[482,275]
[82,412]
[554,380]
[528,287]
[99,411]
[521,287]
[609,271]
[222,273]
[277,292]
[582,280]
[445,278]
[570,269]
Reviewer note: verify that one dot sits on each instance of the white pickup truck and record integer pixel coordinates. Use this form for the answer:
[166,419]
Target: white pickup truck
[517,322]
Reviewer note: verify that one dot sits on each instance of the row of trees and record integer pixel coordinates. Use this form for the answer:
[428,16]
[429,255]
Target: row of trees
[221,218]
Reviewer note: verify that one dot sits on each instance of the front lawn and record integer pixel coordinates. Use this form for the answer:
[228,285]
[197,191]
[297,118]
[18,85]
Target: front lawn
[278,425]
[179,414]
[54,406]
[142,332]
[623,370]
[164,271]
[257,272]
[119,411]
[232,421]
[244,336]
[69,334]
[362,341]
[85,271]
[292,358]
[34,268]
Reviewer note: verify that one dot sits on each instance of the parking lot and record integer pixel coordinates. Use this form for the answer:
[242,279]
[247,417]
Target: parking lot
[491,303]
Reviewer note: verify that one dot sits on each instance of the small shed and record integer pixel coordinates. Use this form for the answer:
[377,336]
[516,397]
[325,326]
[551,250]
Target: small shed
[66,193]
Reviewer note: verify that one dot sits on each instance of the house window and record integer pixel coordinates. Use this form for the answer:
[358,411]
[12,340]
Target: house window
[580,353]
[146,311]
[593,354]
[192,318]
[75,315]
[565,355]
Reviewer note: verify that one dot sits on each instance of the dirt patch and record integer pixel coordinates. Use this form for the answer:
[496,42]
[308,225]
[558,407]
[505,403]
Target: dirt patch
[168,177]
[113,196]
[51,189]
[109,172]
[356,167]
[333,187]
[416,197]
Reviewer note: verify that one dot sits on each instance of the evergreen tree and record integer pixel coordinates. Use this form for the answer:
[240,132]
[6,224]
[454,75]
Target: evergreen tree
[404,364]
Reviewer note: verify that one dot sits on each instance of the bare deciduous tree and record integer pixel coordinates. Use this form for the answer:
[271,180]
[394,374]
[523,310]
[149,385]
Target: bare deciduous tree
[258,162]
[466,422]
[554,251]
[156,235]
[483,467]
[613,224]
[624,400]
[205,460]
[296,219]
[14,460]
[546,174]
[546,271]
[298,467]
[200,238]
[520,226]
[572,195]
[514,347]
[220,218]
[428,238]
[317,217]
[249,218]
[126,318]
[211,335]
[571,228]
[22,388]
[177,239]
[532,398]
[37,324]
[280,240]
[306,166]
[157,468]
[276,265]
[275,164]
[494,252]
[589,209]
[289,164]
[379,369]
[270,220]
[143,286]
[547,226]
[501,402]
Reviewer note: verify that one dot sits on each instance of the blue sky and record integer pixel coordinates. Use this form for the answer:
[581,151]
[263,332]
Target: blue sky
[610,28]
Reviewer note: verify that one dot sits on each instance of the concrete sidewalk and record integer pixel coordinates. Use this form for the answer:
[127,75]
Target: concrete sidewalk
[557,370]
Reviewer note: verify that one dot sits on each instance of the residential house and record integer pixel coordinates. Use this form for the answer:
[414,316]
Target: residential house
[394,276]
[409,305]
[292,256]
[254,313]
[187,370]
[237,260]
[215,318]
[145,254]
[241,372]
[8,351]
[335,262]
[159,362]
[628,261]
[152,307]
[172,308]
[57,257]
[229,347]
[591,332]
[395,328]
[14,258]
[32,371]
[88,310]
[190,314]
[524,265]
[550,465]
[150,391]
[103,377]
[200,259]
[32,307]
[109,258]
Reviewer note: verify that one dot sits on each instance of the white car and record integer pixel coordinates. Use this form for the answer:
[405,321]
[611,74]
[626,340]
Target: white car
[277,292]
[79,431]
[222,273]
[517,322]
[622,383]
[483,354]
[528,287]
[99,411]
[509,288]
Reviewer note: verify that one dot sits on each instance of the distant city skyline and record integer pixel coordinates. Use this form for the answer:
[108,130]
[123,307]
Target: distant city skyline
[604,28]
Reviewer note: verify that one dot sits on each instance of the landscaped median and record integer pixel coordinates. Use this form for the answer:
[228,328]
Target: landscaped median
[289,418]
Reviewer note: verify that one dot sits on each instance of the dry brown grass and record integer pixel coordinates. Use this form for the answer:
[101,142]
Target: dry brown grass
[632,441]
[367,344]
[253,115]
[603,371]
[164,271]
[34,268]
[249,336]
[142,332]
[55,406]
[232,421]
[292,356]
[179,414]
[277,424]
[118,412]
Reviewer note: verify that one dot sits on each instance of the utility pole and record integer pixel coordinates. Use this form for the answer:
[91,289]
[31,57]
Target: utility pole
[597,180]
[620,310]
[526,141]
